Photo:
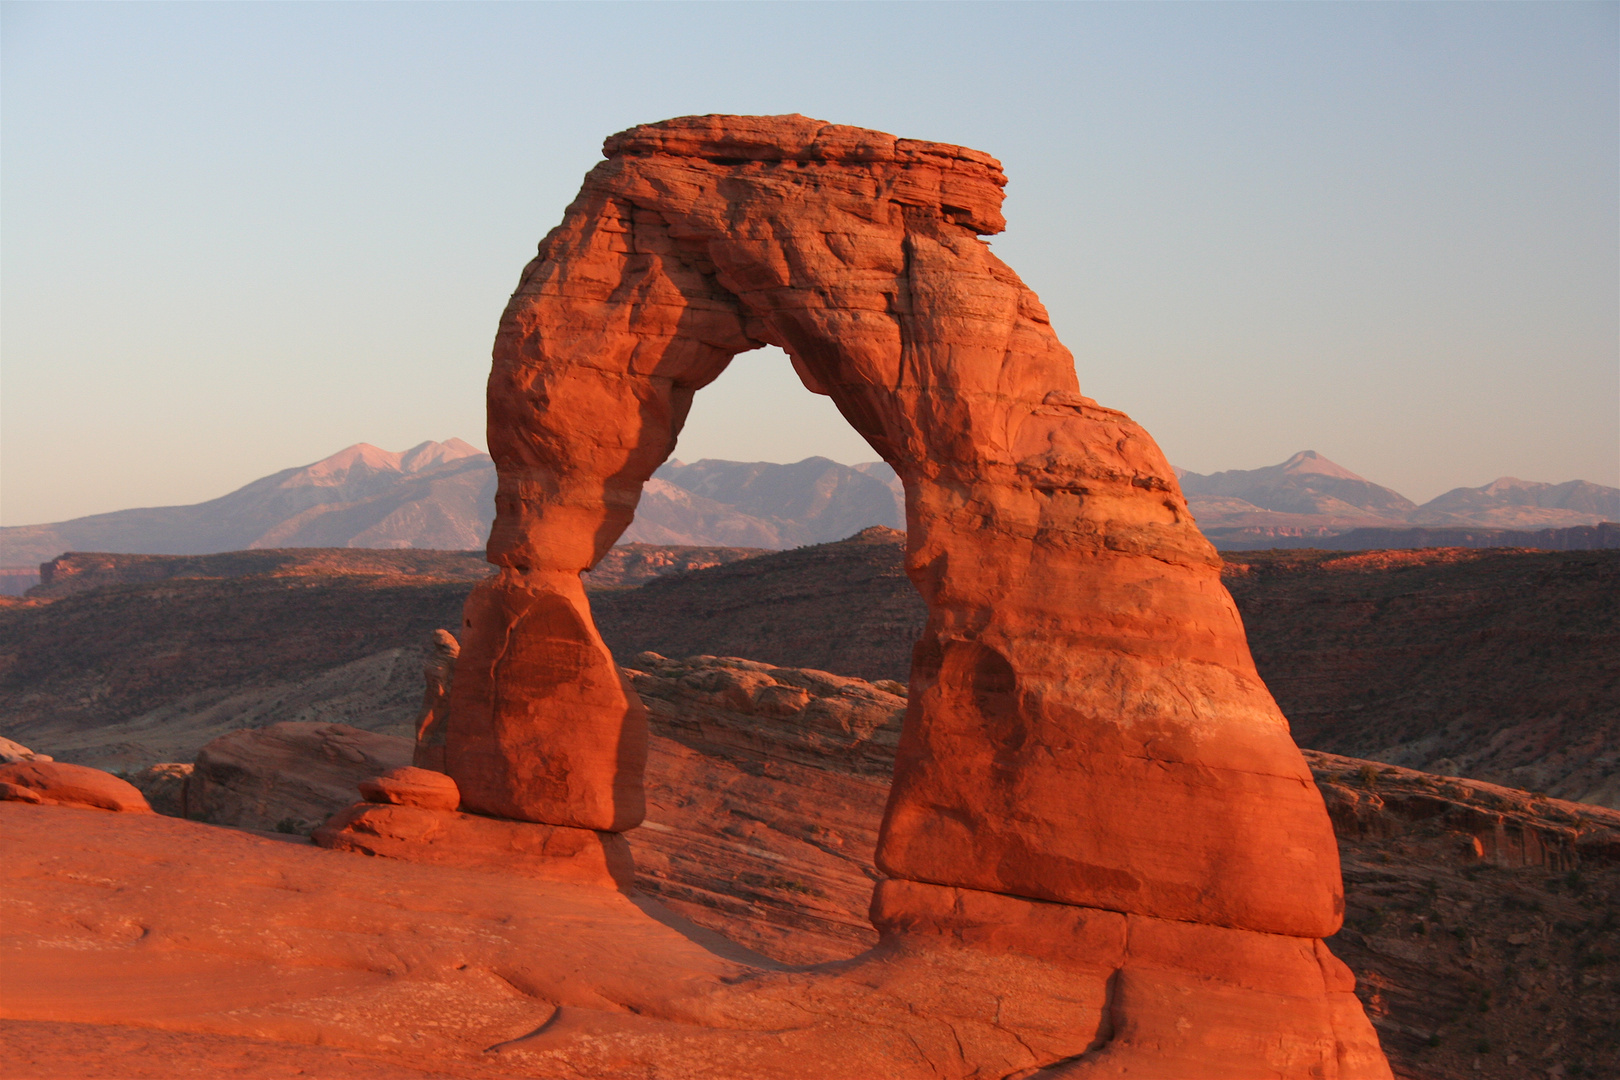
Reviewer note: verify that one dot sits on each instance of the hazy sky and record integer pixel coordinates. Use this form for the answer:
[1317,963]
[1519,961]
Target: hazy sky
[238,237]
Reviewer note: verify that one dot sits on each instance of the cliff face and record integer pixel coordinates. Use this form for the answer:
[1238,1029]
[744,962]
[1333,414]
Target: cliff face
[846,607]
[1499,665]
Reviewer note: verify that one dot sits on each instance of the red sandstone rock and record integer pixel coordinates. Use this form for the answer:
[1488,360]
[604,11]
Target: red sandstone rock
[1085,723]
[570,746]
[410,786]
[61,784]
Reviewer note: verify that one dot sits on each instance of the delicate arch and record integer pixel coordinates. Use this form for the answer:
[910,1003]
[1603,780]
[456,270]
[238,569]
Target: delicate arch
[1086,724]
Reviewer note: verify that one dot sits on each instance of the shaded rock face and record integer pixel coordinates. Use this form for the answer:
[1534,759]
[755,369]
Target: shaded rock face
[167,787]
[288,777]
[846,607]
[434,717]
[1482,922]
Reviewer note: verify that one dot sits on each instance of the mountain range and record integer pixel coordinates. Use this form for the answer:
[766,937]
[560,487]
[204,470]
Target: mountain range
[1309,498]
[441,495]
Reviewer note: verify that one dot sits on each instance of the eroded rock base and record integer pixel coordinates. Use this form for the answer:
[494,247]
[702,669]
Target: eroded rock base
[1184,999]
[475,842]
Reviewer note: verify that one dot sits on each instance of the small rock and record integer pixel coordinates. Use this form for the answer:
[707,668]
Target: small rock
[410,786]
[18,793]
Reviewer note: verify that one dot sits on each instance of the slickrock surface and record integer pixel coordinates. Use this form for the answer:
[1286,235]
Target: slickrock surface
[222,938]
[438,837]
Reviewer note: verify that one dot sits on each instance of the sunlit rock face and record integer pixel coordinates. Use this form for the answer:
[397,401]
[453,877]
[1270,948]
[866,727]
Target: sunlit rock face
[1085,725]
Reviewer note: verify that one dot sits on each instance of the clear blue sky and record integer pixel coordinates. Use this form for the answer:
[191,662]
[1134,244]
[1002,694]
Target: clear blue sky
[238,237]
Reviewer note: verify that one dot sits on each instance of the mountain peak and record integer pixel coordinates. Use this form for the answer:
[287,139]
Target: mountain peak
[364,456]
[428,454]
[1309,461]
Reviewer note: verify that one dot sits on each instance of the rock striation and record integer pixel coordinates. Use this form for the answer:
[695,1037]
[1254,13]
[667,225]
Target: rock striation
[1085,726]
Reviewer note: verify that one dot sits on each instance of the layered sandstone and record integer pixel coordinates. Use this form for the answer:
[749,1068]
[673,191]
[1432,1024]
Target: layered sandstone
[1085,724]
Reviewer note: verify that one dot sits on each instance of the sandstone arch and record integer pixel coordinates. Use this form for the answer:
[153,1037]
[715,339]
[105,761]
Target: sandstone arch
[1086,725]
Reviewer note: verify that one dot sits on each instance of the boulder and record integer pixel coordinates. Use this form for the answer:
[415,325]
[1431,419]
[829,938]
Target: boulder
[16,751]
[410,786]
[58,783]
[288,777]
[167,787]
